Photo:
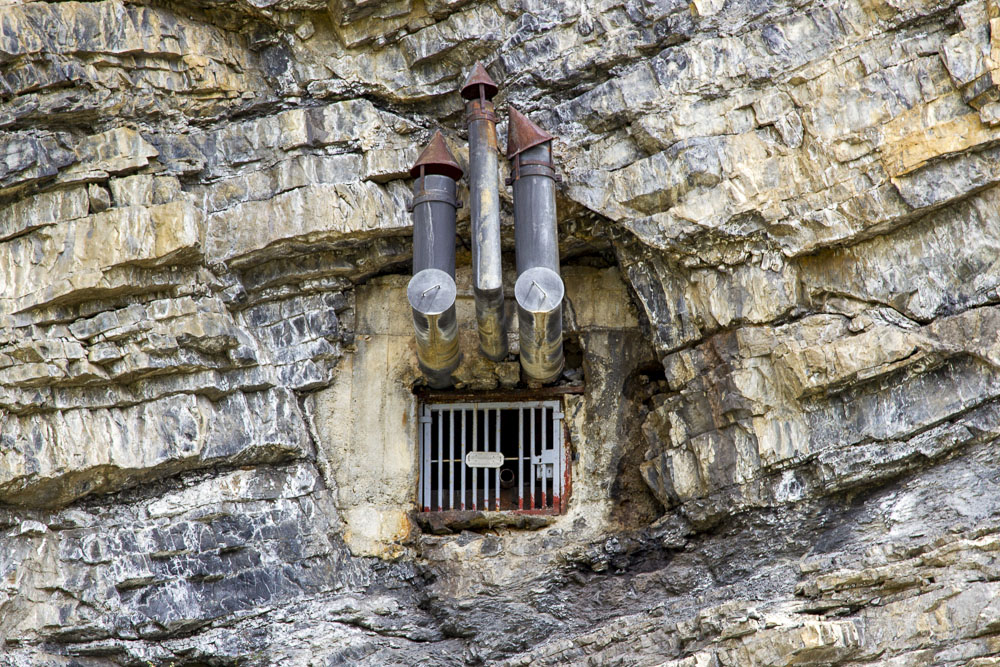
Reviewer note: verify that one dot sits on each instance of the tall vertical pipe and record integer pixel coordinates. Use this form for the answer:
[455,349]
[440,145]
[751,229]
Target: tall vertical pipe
[431,291]
[484,197]
[539,289]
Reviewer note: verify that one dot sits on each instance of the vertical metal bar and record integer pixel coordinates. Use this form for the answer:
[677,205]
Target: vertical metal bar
[545,443]
[496,438]
[560,457]
[475,442]
[462,462]
[440,448]
[423,464]
[531,445]
[427,460]
[420,440]
[485,447]
[451,459]
[520,458]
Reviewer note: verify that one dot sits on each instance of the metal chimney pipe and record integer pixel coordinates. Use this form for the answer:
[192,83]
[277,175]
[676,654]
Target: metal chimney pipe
[431,291]
[484,197]
[539,290]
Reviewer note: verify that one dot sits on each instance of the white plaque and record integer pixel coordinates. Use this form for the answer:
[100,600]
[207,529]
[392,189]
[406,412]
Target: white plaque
[484,459]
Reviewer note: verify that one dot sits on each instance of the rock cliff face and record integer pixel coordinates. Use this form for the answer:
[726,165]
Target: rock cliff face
[780,223]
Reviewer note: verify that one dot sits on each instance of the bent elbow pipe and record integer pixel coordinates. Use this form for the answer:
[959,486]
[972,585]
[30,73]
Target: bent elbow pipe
[484,200]
[431,291]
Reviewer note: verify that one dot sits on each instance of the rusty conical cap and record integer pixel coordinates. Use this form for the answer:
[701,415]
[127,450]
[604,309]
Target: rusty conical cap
[437,159]
[479,77]
[522,134]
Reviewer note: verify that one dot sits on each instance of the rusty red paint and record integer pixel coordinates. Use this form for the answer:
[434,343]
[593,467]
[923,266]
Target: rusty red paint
[431,396]
[436,159]
[479,83]
[567,469]
[522,134]
[559,502]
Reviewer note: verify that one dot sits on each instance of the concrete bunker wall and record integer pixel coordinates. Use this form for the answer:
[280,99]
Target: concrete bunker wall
[366,421]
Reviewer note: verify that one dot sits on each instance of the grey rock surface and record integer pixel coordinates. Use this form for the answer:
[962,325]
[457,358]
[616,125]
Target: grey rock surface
[780,221]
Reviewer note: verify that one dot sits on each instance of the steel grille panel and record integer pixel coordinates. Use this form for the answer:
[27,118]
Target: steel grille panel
[527,436]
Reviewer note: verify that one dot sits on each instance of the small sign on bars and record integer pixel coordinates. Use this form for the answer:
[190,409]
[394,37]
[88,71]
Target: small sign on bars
[484,459]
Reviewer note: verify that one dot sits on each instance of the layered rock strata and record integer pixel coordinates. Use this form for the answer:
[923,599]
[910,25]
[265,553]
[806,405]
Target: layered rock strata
[779,225]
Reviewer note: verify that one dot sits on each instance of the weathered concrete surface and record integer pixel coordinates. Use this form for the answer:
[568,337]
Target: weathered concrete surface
[780,227]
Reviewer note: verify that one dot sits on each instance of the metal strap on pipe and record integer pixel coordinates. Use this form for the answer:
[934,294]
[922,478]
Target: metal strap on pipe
[480,113]
[434,195]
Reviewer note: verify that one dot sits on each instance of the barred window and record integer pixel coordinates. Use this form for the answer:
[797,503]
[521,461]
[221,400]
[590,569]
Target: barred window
[496,456]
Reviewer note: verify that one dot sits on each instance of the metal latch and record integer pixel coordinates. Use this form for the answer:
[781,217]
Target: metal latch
[544,464]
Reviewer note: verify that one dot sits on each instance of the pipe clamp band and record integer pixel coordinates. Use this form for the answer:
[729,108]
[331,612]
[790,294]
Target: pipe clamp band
[532,168]
[479,114]
[434,195]
[536,170]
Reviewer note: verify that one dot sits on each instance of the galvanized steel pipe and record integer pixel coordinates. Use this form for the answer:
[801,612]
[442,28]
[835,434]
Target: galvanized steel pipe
[484,198]
[539,290]
[535,233]
[434,205]
[431,294]
[431,291]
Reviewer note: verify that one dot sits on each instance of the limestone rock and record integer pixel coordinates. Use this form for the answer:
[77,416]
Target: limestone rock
[779,229]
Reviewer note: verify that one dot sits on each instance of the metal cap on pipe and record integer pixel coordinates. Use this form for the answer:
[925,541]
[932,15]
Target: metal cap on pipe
[522,134]
[479,77]
[431,294]
[539,292]
[436,159]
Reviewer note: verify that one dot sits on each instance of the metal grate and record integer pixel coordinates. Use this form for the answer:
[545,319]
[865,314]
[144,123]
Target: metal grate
[500,456]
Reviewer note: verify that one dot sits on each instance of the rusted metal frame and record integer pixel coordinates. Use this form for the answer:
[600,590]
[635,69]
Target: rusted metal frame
[425,475]
[549,502]
[538,393]
[560,466]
